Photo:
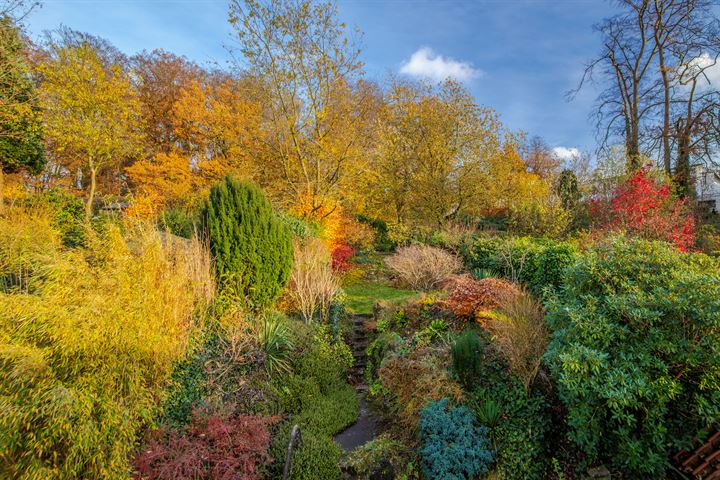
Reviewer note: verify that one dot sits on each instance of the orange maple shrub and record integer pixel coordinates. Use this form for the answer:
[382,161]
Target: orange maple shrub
[337,226]
[472,298]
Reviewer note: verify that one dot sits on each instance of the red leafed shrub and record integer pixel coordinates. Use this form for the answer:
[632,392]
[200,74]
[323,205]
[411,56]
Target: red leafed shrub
[645,207]
[341,256]
[213,448]
[468,296]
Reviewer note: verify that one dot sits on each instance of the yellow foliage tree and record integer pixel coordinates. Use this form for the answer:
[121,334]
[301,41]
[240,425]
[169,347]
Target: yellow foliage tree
[91,111]
[435,146]
[316,107]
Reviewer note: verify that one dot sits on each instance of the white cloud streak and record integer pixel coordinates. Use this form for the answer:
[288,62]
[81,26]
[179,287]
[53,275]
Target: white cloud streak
[565,154]
[425,63]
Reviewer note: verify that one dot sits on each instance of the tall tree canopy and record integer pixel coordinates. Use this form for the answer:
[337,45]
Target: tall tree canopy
[309,68]
[659,98]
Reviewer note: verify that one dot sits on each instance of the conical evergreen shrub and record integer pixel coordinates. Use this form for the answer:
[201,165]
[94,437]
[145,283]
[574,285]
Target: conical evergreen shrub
[252,248]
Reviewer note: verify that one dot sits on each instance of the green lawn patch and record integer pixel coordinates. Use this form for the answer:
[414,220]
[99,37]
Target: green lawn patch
[361,297]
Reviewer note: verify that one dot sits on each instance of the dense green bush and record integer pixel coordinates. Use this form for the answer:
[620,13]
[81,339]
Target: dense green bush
[67,213]
[187,387]
[521,426]
[383,240]
[383,451]
[466,358]
[316,458]
[299,227]
[636,352]
[540,263]
[179,221]
[454,447]
[251,246]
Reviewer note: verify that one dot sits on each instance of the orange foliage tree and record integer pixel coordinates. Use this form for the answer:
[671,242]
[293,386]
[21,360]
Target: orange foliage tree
[215,130]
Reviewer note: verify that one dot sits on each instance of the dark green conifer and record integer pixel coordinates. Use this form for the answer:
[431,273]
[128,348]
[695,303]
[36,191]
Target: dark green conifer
[251,247]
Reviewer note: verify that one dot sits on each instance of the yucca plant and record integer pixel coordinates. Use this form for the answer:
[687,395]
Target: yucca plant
[275,342]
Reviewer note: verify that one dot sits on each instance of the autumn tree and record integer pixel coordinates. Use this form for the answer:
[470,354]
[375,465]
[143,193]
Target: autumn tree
[656,61]
[91,111]
[626,66]
[433,146]
[441,154]
[540,158]
[161,78]
[21,146]
[216,129]
[309,66]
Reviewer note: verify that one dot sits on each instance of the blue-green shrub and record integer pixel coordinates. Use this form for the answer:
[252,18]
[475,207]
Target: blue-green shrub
[453,445]
[636,352]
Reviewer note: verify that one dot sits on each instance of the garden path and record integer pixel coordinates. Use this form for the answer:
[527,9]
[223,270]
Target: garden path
[365,428]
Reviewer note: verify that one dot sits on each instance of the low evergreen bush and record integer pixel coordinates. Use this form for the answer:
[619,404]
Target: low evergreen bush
[467,358]
[537,262]
[453,447]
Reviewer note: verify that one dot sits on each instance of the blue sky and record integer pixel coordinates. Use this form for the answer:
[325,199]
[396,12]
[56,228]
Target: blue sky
[517,56]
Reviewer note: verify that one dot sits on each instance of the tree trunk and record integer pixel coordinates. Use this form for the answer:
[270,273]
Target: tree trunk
[683,176]
[91,195]
[666,112]
[633,148]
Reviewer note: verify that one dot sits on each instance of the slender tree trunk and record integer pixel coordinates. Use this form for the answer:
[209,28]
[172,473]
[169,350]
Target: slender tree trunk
[666,112]
[683,177]
[91,195]
[633,146]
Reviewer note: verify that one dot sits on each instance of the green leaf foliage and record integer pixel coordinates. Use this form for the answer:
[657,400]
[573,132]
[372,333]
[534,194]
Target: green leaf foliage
[318,399]
[519,421]
[540,263]
[636,352]
[251,246]
[21,144]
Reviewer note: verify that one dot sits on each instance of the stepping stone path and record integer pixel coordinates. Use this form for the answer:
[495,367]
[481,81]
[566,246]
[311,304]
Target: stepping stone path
[364,429]
[359,343]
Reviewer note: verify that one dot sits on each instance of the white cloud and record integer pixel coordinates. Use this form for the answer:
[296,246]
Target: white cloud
[710,69]
[425,63]
[565,154]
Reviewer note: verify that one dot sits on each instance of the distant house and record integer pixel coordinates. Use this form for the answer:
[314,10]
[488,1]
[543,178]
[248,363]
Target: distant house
[707,186]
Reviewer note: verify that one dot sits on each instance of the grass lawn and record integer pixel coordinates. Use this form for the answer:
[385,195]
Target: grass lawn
[361,297]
